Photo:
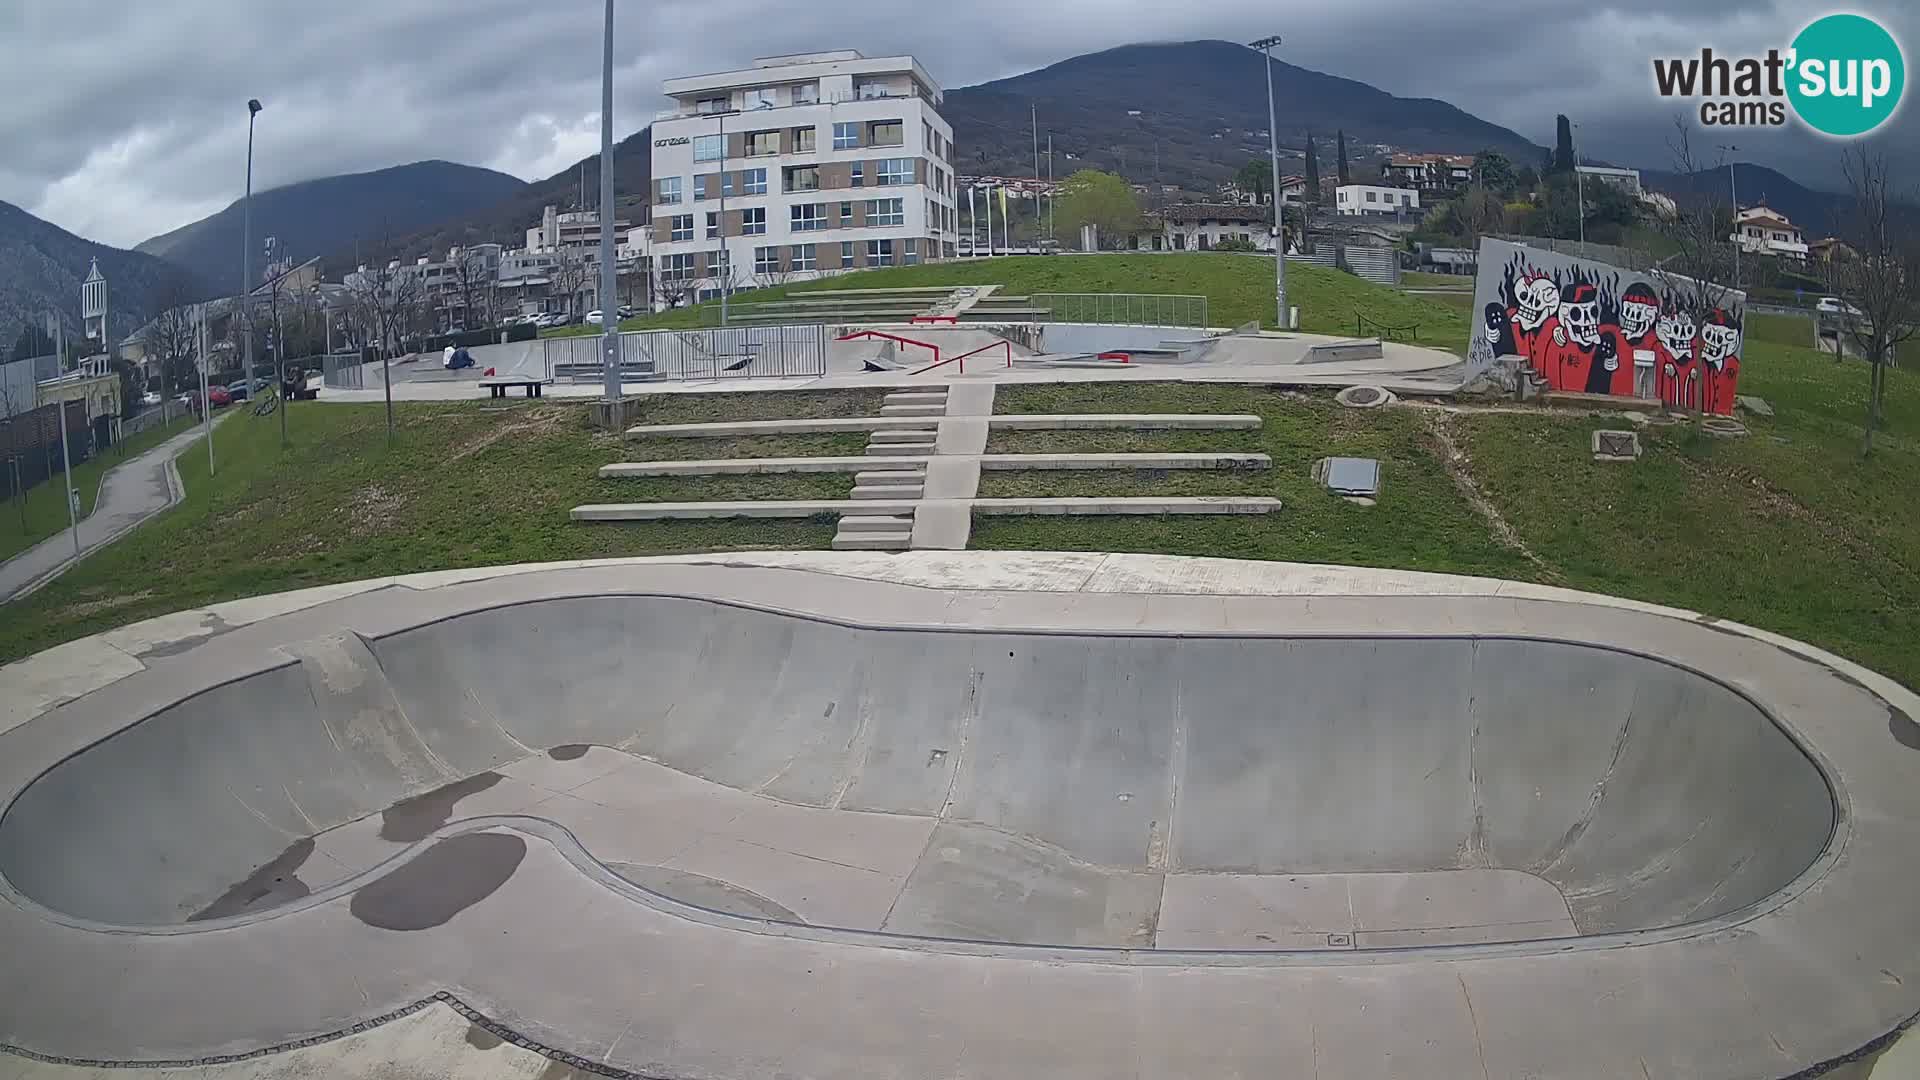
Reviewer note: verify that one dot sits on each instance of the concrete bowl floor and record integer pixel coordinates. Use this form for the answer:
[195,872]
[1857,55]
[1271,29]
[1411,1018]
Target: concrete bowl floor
[1078,815]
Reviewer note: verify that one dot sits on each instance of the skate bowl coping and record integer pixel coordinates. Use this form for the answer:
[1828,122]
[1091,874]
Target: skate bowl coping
[1648,795]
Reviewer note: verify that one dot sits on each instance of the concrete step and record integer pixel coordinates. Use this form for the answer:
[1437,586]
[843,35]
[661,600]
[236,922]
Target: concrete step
[903,436]
[913,410]
[750,508]
[890,476]
[900,449]
[873,541]
[859,523]
[888,491]
[916,397]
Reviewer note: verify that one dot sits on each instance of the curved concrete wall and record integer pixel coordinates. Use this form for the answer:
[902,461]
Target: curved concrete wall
[1648,795]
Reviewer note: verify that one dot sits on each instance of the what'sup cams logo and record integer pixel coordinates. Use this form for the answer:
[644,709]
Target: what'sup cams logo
[1844,75]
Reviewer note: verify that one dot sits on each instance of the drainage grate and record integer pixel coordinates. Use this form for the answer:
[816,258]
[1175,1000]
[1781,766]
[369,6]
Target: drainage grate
[1616,445]
[1352,476]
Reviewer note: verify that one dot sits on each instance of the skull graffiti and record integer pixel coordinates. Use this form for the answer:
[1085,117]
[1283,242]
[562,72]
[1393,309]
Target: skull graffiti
[1639,309]
[1676,332]
[1719,339]
[1580,314]
[1538,300]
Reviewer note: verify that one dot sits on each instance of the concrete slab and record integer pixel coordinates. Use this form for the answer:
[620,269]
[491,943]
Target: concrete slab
[761,508]
[1224,462]
[970,399]
[1194,505]
[965,435]
[943,525]
[747,466]
[952,478]
[1125,422]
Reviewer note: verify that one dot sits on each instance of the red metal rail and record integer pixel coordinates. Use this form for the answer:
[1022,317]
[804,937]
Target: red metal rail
[962,358]
[950,320]
[858,334]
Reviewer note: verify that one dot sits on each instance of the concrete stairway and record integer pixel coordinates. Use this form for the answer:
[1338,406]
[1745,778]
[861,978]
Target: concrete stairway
[890,532]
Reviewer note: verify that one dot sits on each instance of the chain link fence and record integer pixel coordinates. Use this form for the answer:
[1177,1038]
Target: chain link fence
[714,353]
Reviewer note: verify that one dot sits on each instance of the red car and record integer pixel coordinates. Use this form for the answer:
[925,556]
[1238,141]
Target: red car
[216,394]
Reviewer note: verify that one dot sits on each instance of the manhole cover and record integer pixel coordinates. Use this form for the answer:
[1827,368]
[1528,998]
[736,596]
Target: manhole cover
[1364,397]
[1616,445]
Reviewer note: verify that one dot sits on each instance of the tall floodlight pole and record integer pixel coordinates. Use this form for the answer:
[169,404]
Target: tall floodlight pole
[609,283]
[973,225]
[1733,189]
[1052,193]
[66,455]
[725,273]
[206,413]
[989,222]
[1036,169]
[246,241]
[1265,45]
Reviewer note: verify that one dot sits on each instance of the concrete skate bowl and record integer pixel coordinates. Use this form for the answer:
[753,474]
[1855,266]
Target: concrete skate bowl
[1221,793]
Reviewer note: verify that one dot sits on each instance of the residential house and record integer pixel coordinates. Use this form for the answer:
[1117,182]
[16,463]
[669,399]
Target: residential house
[1760,230]
[1360,200]
[1429,172]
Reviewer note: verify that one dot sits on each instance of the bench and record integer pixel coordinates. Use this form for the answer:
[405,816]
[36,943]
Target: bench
[497,385]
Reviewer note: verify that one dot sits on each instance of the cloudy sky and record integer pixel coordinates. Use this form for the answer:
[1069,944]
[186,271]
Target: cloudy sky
[122,119]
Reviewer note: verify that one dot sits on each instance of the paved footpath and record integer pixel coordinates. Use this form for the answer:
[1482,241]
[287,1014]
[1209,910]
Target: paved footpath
[131,492]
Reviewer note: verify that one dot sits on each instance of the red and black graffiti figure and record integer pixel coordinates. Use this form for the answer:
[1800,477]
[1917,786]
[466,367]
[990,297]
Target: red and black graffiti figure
[1580,357]
[1719,363]
[1535,302]
[1635,342]
[1677,379]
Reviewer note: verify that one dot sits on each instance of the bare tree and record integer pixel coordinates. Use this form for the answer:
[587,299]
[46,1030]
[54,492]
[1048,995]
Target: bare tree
[1697,275]
[10,411]
[174,340]
[389,301]
[473,283]
[568,278]
[1881,278]
[671,288]
[1478,211]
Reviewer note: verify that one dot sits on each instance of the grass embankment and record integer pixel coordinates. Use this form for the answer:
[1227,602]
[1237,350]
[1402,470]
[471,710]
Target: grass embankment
[1238,288]
[45,512]
[464,484]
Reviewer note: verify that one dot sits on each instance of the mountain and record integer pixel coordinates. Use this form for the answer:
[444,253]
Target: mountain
[42,265]
[1185,93]
[319,217]
[1818,213]
[507,220]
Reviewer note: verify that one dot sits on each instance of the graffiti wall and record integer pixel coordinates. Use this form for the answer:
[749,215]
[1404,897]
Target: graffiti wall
[1593,328]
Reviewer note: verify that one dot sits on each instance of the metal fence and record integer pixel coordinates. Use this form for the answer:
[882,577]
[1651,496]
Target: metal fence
[1119,309]
[734,352]
[342,371]
[1380,265]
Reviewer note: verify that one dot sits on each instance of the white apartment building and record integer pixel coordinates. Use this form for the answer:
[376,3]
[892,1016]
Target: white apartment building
[1357,200]
[576,230]
[1627,180]
[801,166]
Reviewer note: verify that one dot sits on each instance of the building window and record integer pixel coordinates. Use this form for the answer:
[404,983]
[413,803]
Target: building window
[926,136]
[846,215]
[886,133]
[803,140]
[846,253]
[846,136]
[762,143]
[879,253]
[709,147]
[766,260]
[889,171]
[699,188]
[765,97]
[676,267]
[867,91]
[1370,196]
[801,178]
[713,225]
[753,221]
[807,217]
[754,181]
[801,257]
[912,257]
[682,227]
[713,105]
[853,175]
[886,212]
[669,190]
[806,94]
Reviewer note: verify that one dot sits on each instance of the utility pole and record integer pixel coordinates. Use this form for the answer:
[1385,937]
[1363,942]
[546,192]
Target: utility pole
[1733,186]
[66,455]
[246,244]
[609,282]
[1036,170]
[206,412]
[1265,45]
[725,273]
[1052,194]
[1580,187]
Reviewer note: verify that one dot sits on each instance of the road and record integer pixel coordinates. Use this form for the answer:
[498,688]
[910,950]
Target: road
[130,493]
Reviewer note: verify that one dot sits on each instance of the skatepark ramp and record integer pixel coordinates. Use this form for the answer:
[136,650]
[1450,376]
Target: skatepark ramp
[709,353]
[1631,793]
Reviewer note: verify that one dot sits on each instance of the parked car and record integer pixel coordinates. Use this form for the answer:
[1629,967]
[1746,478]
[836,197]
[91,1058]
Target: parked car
[238,391]
[626,311]
[150,398]
[1833,305]
[594,317]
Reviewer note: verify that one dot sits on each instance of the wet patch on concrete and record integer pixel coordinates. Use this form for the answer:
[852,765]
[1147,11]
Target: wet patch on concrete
[214,626]
[415,819]
[481,1039]
[704,892]
[446,879]
[1905,731]
[568,752]
[267,887]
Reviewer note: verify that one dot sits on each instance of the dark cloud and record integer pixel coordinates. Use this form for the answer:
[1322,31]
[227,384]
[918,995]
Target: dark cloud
[124,120]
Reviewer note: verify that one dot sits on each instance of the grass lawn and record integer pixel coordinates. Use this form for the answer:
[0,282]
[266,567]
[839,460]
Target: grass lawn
[465,484]
[1238,288]
[46,512]
[1419,279]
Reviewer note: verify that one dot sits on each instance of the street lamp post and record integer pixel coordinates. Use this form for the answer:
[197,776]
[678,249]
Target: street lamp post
[246,241]
[1265,45]
[609,279]
[725,273]
[1733,189]
[1580,188]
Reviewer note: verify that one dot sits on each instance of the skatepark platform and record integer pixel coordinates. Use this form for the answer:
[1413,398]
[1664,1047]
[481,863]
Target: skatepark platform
[1063,815]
